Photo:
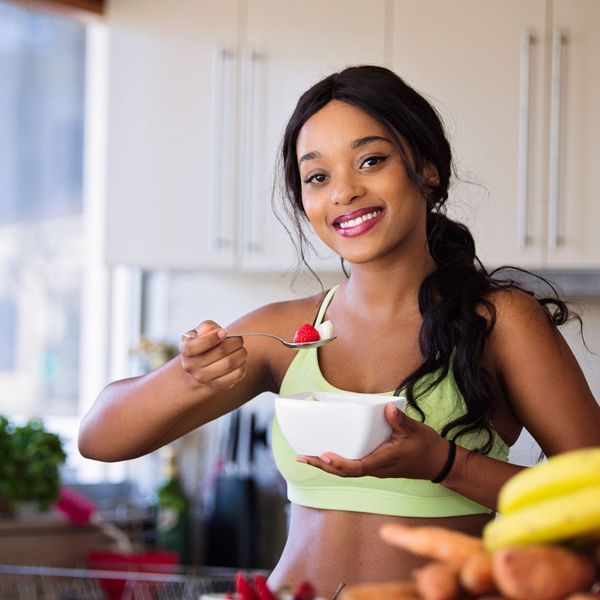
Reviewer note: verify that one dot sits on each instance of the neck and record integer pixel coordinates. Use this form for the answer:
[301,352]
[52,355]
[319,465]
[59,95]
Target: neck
[383,289]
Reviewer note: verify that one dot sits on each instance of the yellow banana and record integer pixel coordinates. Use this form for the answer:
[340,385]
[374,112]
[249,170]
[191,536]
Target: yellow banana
[571,515]
[562,473]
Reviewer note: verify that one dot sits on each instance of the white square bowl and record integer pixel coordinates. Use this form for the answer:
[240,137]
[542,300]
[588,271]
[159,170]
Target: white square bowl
[351,425]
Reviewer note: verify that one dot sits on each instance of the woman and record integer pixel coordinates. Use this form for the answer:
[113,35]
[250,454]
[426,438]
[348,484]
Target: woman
[366,162]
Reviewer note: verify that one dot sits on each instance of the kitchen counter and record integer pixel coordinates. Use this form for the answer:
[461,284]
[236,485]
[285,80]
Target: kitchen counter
[48,539]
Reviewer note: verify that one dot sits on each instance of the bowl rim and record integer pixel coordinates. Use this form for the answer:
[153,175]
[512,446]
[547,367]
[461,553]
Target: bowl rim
[327,398]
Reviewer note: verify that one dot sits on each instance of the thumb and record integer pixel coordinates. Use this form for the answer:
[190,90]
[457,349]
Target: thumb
[396,418]
[206,327]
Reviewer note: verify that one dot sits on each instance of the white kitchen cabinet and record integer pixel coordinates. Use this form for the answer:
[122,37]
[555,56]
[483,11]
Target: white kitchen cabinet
[171,133]
[199,94]
[574,218]
[520,115]
[289,48]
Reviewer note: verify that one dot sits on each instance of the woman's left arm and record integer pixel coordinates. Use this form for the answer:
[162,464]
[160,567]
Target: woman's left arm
[544,387]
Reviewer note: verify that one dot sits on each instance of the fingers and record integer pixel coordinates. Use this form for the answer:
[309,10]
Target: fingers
[334,464]
[230,379]
[203,337]
[400,423]
[392,414]
[218,371]
[382,462]
[211,358]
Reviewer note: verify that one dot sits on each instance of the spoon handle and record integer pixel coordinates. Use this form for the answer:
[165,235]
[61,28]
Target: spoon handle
[276,337]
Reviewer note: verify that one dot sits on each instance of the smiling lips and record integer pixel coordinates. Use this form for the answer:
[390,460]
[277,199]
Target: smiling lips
[357,222]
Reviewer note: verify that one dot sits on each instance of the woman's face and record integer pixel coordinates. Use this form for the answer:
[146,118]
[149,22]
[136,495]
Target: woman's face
[355,189]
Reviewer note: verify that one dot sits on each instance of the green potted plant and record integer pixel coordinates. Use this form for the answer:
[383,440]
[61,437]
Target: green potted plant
[30,459]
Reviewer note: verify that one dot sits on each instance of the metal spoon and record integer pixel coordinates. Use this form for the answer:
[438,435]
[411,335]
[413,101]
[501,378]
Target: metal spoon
[293,345]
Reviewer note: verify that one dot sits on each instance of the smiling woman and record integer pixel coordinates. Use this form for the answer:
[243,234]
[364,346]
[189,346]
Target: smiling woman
[347,185]
[367,166]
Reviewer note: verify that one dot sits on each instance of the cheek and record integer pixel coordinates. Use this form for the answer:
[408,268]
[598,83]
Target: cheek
[310,207]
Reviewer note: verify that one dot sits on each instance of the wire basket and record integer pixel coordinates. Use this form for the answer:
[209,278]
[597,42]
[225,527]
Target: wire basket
[48,583]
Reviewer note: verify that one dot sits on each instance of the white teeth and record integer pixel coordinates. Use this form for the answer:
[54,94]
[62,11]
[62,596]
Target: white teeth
[359,220]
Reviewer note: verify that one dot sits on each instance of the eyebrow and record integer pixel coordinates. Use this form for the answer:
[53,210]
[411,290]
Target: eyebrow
[355,144]
[368,139]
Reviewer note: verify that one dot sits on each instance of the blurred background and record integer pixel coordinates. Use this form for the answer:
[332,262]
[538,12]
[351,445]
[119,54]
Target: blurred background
[138,154]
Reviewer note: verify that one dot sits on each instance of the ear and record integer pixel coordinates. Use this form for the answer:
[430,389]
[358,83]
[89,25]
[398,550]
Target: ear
[431,175]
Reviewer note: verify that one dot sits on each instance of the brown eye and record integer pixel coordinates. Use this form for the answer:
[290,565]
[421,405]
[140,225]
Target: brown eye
[372,161]
[317,178]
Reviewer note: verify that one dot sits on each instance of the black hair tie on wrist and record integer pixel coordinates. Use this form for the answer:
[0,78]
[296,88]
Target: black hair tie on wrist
[449,462]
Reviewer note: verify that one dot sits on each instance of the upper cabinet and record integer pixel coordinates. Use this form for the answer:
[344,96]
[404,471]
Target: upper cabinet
[574,135]
[200,94]
[518,86]
[290,46]
[198,100]
[172,156]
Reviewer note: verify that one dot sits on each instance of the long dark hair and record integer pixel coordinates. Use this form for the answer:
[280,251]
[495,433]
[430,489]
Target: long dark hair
[454,297]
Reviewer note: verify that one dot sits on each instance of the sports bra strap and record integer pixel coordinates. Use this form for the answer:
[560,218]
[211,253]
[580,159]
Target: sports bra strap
[327,297]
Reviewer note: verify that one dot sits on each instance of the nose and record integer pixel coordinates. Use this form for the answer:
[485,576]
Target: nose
[345,189]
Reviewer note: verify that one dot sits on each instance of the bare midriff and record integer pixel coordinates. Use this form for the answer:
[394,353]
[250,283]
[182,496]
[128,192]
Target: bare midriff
[328,547]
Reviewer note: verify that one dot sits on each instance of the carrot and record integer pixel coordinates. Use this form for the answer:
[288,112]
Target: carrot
[583,596]
[434,542]
[541,572]
[476,574]
[437,581]
[399,590]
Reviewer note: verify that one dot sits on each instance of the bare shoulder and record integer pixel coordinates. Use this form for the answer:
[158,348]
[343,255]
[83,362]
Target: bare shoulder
[540,376]
[522,327]
[518,310]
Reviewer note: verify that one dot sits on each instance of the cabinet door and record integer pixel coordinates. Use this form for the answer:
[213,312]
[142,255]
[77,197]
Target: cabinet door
[482,66]
[289,47]
[574,138]
[171,159]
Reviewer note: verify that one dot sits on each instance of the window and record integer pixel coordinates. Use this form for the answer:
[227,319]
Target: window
[46,233]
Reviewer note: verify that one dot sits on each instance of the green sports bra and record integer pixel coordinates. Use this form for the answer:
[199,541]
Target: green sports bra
[309,486]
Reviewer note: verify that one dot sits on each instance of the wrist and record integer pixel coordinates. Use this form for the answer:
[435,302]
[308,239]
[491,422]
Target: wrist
[444,471]
[455,477]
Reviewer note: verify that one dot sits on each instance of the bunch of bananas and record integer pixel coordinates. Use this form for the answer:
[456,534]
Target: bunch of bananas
[555,501]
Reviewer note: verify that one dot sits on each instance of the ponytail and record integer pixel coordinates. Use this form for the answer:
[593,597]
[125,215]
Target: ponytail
[458,316]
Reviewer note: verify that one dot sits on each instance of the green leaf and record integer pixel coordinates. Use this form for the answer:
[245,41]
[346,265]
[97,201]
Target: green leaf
[30,458]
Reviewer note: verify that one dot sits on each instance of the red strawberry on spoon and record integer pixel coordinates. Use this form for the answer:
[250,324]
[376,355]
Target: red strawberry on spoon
[306,333]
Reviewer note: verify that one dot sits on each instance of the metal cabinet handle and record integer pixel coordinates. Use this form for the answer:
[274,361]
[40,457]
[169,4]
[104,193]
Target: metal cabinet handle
[250,131]
[558,42]
[524,135]
[222,63]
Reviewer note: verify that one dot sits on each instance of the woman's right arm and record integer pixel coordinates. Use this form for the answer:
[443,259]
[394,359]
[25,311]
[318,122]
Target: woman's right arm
[210,377]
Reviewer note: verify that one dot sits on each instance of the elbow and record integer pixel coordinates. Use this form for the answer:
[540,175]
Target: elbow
[88,449]
[88,446]
[92,445]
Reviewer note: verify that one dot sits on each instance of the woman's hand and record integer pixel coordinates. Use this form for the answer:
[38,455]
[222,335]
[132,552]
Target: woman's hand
[212,360]
[415,450]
